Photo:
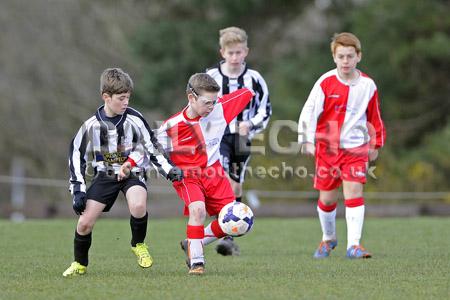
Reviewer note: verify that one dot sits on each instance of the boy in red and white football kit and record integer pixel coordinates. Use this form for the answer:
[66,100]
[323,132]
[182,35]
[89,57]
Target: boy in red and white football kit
[340,124]
[192,138]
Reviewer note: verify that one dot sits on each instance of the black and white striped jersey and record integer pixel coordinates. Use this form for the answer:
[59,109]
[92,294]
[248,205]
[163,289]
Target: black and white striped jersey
[108,142]
[259,110]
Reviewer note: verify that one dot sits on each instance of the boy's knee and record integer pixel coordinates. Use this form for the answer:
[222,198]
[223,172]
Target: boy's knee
[328,197]
[327,201]
[352,190]
[237,189]
[138,210]
[84,227]
[198,214]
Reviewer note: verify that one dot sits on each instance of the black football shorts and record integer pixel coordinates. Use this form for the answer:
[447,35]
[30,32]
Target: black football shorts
[105,188]
[235,155]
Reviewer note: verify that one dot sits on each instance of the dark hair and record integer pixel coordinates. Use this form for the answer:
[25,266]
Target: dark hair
[115,81]
[201,82]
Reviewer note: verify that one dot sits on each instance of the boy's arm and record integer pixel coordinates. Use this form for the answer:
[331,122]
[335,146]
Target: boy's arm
[235,102]
[157,155]
[264,110]
[77,161]
[311,111]
[375,125]
[137,156]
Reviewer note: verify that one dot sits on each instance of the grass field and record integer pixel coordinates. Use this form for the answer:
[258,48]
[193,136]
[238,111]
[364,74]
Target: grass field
[411,261]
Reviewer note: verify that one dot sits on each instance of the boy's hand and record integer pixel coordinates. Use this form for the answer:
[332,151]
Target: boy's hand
[373,154]
[175,174]
[124,171]
[79,202]
[308,149]
[244,127]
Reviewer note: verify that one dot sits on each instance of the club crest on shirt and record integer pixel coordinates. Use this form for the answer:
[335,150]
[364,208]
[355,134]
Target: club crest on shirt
[114,157]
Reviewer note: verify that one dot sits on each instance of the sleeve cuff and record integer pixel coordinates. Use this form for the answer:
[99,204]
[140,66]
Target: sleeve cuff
[132,162]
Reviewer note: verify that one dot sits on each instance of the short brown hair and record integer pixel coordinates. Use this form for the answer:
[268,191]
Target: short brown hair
[345,39]
[115,81]
[201,82]
[232,35]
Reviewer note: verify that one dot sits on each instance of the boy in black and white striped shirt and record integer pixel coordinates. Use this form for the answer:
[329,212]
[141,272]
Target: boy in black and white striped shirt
[119,144]
[232,73]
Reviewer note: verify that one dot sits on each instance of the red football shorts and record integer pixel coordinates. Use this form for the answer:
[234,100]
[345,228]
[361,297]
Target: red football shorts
[209,185]
[344,164]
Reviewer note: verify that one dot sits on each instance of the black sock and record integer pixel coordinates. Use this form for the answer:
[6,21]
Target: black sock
[81,245]
[239,199]
[138,229]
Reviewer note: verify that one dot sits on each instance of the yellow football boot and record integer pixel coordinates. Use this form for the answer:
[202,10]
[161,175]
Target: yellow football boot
[143,257]
[75,269]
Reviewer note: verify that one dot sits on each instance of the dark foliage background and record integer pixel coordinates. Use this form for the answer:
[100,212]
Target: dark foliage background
[52,54]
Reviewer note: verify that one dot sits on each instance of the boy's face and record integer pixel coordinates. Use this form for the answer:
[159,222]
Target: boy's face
[346,60]
[203,103]
[117,103]
[234,54]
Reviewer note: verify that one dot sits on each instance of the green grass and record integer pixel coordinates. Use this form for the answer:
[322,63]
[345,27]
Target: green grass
[411,261]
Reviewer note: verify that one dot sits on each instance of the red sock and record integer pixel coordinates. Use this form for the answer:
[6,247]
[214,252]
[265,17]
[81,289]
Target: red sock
[325,207]
[355,202]
[195,232]
[218,233]
[195,235]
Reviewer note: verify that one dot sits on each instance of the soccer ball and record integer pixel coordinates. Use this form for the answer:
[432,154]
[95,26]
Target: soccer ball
[235,219]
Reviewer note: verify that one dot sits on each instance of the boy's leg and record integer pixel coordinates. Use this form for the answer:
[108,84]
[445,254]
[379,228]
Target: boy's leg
[354,215]
[136,196]
[238,161]
[195,235]
[195,230]
[237,189]
[83,237]
[191,191]
[137,204]
[237,154]
[354,169]
[219,193]
[83,233]
[327,180]
[326,209]
[227,246]
[212,232]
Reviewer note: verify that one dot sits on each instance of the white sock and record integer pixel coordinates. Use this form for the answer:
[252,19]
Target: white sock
[209,235]
[328,224]
[196,251]
[355,221]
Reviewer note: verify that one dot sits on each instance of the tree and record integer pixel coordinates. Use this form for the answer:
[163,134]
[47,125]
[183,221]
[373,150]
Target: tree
[407,45]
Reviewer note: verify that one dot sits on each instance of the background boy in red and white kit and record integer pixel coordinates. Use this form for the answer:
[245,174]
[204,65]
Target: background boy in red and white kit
[340,124]
[192,138]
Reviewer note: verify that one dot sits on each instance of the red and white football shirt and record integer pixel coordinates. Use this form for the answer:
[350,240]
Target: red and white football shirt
[194,143]
[342,115]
